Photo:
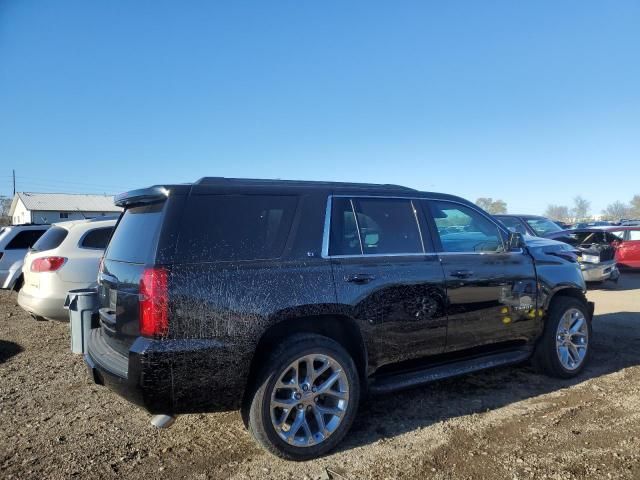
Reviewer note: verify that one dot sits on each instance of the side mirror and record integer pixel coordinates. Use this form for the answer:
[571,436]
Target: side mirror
[516,241]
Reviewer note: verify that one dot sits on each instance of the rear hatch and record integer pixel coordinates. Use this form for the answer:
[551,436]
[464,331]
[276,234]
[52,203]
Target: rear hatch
[131,250]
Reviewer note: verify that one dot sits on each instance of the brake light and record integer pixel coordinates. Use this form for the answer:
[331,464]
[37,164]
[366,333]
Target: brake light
[154,303]
[47,264]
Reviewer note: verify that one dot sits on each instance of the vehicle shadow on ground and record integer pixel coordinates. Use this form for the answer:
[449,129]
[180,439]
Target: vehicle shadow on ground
[629,280]
[616,346]
[8,350]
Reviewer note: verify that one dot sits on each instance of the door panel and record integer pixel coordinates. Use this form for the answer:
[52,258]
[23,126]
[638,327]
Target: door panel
[387,277]
[491,293]
[628,252]
[400,307]
[494,302]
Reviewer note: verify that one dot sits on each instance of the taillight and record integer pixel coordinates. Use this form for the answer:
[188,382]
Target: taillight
[154,314]
[47,264]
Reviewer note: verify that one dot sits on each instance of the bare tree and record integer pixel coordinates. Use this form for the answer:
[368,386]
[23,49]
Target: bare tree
[558,212]
[5,206]
[580,209]
[617,210]
[492,206]
[635,206]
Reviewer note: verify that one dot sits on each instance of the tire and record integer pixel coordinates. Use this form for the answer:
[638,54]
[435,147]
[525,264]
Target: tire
[552,357]
[277,385]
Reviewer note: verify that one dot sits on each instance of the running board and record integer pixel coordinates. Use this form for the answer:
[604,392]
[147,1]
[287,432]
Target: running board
[401,381]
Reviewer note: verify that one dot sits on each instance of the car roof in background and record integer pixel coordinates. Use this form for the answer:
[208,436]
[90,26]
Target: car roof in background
[518,215]
[98,220]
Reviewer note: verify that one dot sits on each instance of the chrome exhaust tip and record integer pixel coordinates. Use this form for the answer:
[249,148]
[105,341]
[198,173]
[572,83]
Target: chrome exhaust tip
[162,421]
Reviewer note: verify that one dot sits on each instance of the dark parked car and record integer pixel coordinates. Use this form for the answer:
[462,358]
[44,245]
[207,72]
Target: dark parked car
[292,300]
[596,252]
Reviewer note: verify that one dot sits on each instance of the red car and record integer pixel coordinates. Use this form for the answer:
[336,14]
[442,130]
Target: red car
[628,250]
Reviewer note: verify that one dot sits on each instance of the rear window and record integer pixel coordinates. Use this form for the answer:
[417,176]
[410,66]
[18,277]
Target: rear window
[235,227]
[24,240]
[134,238]
[97,238]
[52,238]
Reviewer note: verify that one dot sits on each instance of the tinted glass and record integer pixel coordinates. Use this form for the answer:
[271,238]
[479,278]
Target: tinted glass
[134,238]
[634,234]
[24,240]
[514,224]
[543,226]
[236,227]
[97,238]
[52,238]
[344,234]
[387,226]
[462,229]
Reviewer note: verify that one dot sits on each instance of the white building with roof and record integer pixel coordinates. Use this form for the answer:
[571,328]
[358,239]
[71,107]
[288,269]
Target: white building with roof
[31,207]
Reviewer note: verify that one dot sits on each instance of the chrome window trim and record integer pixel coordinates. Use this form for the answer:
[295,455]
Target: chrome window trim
[355,218]
[327,228]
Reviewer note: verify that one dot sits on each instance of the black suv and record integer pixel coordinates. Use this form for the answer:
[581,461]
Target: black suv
[292,300]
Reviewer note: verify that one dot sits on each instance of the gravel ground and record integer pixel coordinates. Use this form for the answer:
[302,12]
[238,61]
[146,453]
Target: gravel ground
[508,423]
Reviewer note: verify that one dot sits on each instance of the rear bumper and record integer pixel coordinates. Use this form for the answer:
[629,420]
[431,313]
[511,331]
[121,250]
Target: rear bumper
[598,272]
[169,376]
[51,308]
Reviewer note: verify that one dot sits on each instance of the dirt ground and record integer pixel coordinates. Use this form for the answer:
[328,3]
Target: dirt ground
[510,423]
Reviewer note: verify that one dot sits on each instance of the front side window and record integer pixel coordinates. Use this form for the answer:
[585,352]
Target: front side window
[543,226]
[374,226]
[463,229]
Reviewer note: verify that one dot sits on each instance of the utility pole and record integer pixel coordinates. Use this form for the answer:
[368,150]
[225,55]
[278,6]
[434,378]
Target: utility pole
[14,182]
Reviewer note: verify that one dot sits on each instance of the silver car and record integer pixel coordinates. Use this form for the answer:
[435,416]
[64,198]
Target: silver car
[15,242]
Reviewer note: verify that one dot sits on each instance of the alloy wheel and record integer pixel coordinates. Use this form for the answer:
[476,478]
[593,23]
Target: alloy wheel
[309,400]
[572,339]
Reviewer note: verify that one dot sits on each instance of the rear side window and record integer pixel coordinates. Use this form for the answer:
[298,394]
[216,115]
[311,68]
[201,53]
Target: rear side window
[134,237]
[236,227]
[634,234]
[52,238]
[97,238]
[24,240]
[380,226]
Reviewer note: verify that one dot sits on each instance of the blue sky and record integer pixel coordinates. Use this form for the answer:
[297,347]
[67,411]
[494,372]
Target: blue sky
[531,102]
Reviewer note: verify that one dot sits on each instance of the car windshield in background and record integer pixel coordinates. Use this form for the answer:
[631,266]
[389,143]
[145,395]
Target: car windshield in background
[134,237]
[543,226]
[513,224]
[51,239]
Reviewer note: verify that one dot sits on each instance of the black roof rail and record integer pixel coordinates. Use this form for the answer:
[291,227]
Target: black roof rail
[224,181]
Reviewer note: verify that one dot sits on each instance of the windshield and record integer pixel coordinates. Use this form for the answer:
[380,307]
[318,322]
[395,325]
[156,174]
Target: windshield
[543,226]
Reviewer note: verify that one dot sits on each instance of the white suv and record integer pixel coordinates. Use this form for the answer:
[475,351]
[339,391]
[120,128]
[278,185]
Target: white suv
[15,241]
[65,258]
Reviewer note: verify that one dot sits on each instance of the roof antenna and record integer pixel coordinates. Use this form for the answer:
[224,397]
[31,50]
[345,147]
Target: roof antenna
[83,215]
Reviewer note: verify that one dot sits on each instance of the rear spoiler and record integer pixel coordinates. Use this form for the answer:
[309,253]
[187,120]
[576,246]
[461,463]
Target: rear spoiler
[142,196]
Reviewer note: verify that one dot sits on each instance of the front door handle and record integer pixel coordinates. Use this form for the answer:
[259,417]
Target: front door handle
[462,273]
[359,278]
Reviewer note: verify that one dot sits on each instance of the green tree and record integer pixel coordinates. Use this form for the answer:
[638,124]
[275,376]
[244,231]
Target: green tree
[492,206]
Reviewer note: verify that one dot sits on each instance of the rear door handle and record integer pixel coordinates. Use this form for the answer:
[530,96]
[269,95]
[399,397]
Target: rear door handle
[359,278]
[462,273]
